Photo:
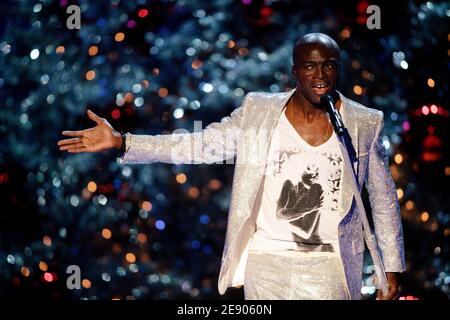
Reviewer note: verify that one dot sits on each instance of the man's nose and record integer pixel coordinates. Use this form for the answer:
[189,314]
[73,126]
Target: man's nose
[319,71]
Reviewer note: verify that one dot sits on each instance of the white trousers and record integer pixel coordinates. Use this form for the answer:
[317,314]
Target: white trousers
[295,275]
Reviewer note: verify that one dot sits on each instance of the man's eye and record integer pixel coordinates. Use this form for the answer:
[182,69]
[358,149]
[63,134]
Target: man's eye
[309,67]
[330,65]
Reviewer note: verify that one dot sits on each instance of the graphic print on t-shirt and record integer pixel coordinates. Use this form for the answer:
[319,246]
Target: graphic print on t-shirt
[301,200]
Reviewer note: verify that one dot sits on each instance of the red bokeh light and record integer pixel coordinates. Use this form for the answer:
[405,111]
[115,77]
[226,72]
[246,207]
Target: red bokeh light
[115,114]
[143,13]
[362,7]
[266,12]
[48,277]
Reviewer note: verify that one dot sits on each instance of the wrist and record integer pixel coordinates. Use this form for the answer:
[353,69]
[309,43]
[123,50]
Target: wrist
[117,140]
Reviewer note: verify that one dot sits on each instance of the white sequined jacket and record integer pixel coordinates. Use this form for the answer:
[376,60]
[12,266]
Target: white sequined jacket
[244,137]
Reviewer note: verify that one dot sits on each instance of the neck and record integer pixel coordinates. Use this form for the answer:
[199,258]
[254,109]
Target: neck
[305,108]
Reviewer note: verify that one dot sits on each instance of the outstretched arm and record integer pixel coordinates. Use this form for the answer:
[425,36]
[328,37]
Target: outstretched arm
[217,142]
[99,138]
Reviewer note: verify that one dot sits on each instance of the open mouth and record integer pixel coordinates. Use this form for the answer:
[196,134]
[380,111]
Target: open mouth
[320,88]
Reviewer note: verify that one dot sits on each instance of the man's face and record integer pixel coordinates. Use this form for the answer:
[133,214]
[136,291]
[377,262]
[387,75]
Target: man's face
[311,174]
[316,71]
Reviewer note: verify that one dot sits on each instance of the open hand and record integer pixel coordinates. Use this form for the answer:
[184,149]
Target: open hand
[95,139]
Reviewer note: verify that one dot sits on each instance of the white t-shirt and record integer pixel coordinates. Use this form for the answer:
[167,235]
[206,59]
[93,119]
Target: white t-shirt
[301,192]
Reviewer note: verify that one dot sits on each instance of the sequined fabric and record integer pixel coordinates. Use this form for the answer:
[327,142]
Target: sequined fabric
[297,276]
[246,134]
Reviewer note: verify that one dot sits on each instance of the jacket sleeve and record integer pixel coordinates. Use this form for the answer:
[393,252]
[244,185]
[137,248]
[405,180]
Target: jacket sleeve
[385,206]
[216,143]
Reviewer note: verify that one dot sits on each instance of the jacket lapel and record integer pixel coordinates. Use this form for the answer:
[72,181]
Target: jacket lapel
[346,198]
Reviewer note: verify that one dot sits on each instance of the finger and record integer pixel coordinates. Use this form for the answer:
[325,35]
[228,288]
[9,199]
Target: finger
[71,146]
[391,295]
[396,296]
[77,150]
[68,141]
[73,133]
[94,117]
[379,295]
[388,297]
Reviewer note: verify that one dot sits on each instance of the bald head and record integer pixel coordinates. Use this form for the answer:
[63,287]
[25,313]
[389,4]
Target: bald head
[316,67]
[314,39]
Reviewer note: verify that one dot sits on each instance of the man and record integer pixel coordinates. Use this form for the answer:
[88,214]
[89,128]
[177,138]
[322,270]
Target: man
[273,246]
